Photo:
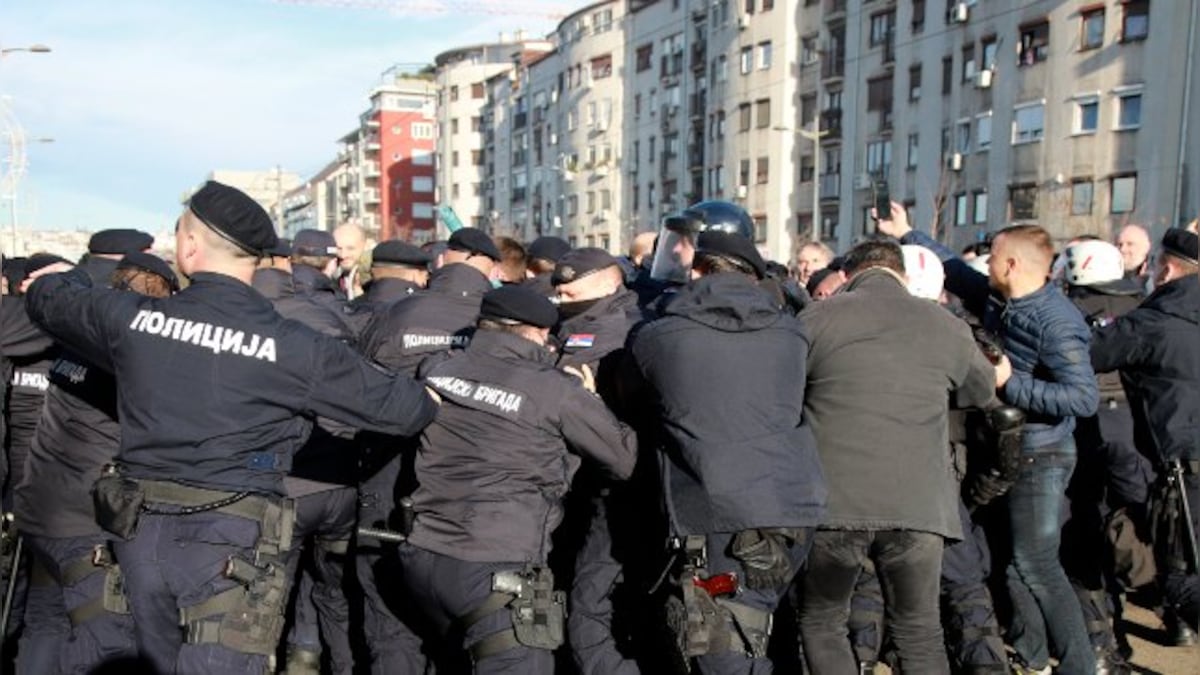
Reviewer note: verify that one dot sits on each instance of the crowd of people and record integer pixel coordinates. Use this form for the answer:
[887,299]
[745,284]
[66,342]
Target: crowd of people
[484,456]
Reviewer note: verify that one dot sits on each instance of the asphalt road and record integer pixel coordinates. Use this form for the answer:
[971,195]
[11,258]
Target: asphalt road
[1152,658]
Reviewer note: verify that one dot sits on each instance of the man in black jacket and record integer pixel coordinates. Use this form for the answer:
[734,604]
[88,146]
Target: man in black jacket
[743,483]
[213,395]
[493,469]
[1156,348]
[398,269]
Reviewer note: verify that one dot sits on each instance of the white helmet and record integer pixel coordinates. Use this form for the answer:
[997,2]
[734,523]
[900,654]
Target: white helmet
[924,270]
[980,263]
[1093,262]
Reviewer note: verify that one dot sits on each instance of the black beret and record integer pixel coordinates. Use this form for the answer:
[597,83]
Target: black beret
[579,263]
[314,242]
[148,262]
[548,248]
[281,249]
[37,261]
[732,246]
[232,214]
[14,270]
[471,240]
[396,252]
[1182,244]
[816,278]
[119,242]
[515,303]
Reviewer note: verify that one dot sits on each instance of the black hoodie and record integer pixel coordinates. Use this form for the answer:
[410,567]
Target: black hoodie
[1157,349]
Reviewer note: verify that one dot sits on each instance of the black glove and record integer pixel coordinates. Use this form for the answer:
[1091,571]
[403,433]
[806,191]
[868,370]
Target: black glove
[764,556]
[983,488]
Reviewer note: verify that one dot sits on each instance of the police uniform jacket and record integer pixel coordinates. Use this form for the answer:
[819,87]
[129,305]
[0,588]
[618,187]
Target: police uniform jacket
[312,282]
[78,434]
[881,372]
[596,338]
[1046,340]
[1156,347]
[378,294]
[279,287]
[1101,305]
[440,318]
[494,466]
[728,370]
[214,385]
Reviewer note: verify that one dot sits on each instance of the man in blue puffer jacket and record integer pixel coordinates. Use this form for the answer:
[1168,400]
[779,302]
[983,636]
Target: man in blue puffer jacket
[1046,339]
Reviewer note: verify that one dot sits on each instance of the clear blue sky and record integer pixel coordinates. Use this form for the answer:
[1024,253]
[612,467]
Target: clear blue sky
[145,97]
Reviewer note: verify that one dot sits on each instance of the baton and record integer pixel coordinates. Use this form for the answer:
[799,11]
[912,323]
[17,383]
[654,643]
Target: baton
[1177,474]
[382,535]
[11,590]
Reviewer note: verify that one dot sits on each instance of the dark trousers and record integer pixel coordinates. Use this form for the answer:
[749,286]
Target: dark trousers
[908,565]
[590,623]
[1182,591]
[973,638]
[446,589]
[176,561]
[324,521]
[1046,611]
[50,643]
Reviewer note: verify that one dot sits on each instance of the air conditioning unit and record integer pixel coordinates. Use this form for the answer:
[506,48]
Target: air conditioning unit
[554,96]
[602,124]
[602,215]
[743,22]
[955,161]
[557,222]
[983,79]
[959,13]
[862,181]
[601,170]
[742,191]
[553,139]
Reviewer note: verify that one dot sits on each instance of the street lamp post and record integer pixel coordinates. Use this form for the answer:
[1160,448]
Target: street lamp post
[35,49]
[815,135]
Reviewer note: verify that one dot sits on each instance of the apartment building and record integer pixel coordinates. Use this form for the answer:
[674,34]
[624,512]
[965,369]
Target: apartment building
[974,114]
[313,205]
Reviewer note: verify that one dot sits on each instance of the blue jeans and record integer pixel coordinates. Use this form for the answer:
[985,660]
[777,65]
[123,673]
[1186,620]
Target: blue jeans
[1044,604]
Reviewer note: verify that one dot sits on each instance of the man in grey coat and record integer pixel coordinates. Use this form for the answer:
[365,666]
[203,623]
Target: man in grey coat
[882,370]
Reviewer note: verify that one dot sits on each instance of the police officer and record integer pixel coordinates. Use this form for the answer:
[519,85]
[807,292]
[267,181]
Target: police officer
[542,257]
[1156,348]
[596,313]
[493,469]
[106,248]
[77,619]
[398,269]
[1109,473]
[742,479]
[399,337]
[212,389]
[322,483]
[314,262]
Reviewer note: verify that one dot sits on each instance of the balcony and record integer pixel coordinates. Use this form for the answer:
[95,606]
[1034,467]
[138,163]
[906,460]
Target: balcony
[696,157]
[831,122]
[696,105]
[835,9]
[520,120]
[372,144]
[371,196]
[699,56]
[371,171]
[518,195]
[830,184]
[833,68]
[672,65]
[889,49]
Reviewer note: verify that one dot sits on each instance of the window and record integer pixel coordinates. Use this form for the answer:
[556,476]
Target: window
[635,196]
[764,113]
[747,59]
[476,124]
[637,105]
[477,90]
[602,21]
[453,93]
[637,153]
[1091,25]
[606,199]
[749,6]
[1023,202]
[981,206]
[1129,108]
[721,68]
[425,157]
[650,195]
[881,27]
[1135,22]
[913,150]
[1122,190]
[768,5]
[947,74]
[602,67]
[454,191]
[591,202]
[806,168]
[454,125]
[918,16]
[960,209]
[421,210]
[1035,44]
[879,157]
[454,158]
[808,109]
[968,64]
[422,184]
[477,157]
[744,117]
[650,150]
[644,58]
[879,93]
[983,131]
[988,62]
[743,172]
[422,130]
[1028,123]
[762,175]
[572,205]
[914,83]
[764,55]
[1082,191]
[962,136]
[809,52]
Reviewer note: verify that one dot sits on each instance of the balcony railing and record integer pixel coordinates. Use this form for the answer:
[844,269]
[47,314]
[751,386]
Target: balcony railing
[833,67]
[520,120]
[835,7]
[831,122]
[830,184]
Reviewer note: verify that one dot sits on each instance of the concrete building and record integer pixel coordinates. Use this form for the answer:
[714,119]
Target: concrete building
[314,205]
[462,77]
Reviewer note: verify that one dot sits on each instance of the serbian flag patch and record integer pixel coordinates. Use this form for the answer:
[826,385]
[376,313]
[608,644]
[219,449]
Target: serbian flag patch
[580,340]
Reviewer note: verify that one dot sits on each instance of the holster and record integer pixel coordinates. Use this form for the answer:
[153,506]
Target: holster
[538,612]
[112,598]
[118,502]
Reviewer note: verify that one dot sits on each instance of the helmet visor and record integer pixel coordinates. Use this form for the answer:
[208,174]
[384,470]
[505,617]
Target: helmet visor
[673,256]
